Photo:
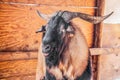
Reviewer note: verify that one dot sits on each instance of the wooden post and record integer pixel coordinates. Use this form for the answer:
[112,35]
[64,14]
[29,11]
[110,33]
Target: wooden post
[97,37]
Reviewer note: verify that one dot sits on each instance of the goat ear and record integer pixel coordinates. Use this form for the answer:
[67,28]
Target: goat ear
[70,29]
[42,29]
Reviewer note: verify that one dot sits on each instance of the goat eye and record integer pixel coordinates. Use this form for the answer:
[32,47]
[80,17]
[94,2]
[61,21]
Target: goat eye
[44,28]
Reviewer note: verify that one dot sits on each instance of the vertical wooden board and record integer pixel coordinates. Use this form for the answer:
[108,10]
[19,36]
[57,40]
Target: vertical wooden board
[109,65]
[18,24]
[83,3]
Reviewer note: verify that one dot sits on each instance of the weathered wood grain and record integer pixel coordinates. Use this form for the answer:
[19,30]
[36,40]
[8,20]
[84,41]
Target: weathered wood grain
[18,24]
[104,51]
[27,77]
[10,56]
[17,28]
[84,3]
[111,36]
[109,65]
[17,68]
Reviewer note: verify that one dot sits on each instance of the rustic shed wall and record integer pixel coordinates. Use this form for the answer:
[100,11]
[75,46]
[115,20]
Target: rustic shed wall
[18,41]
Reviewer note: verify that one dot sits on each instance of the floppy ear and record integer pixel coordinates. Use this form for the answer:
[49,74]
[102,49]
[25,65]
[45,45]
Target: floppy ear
[42,29]
[70,29]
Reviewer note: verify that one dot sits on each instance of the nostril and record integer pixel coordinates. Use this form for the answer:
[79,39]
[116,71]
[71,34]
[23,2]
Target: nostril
[47,47]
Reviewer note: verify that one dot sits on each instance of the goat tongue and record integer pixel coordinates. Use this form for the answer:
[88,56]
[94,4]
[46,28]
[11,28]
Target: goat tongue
[45,54]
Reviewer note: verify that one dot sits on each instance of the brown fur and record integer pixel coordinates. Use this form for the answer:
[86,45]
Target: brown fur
[73,62]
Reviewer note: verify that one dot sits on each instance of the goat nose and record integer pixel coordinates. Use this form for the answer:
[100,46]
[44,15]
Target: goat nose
[47,47]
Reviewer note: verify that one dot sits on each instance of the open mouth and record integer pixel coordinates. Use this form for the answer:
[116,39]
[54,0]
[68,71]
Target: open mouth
[46,54]
[49,49]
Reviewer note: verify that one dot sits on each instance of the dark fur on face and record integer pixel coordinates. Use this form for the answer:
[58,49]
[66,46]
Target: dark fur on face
[53,39]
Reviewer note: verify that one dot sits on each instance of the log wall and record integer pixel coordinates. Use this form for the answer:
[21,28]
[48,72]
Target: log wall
[18,41]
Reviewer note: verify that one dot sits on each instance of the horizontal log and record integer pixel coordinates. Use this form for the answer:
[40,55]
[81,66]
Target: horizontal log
[89,3]
[18,24]
[104,51]
[10,56]
[17,68]
[27,77]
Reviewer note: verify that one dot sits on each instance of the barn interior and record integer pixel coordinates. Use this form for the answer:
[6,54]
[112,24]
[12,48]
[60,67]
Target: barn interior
[19,44]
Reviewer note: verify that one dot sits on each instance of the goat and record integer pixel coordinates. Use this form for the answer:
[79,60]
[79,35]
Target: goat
[64,53]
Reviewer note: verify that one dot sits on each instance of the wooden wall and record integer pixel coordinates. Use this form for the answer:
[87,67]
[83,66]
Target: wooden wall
[18,41]
[109,64]
[19,23]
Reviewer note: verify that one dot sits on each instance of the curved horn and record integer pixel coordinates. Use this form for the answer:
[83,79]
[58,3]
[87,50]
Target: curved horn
[93,19]
[44,16]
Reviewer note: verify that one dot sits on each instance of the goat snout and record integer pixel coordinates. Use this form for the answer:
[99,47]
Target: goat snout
[46,48]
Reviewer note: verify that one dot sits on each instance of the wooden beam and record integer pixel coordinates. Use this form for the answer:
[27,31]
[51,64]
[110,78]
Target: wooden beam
[97,38]
[104,51]
[83,3]
[11,56]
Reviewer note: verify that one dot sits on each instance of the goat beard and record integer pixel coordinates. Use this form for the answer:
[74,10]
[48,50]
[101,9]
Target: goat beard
[54,56]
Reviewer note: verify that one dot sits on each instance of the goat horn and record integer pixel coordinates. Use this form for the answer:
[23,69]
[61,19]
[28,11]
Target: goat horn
[45,16]
[93,19]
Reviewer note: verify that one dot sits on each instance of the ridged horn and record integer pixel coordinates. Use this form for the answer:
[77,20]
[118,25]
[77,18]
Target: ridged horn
[93,19]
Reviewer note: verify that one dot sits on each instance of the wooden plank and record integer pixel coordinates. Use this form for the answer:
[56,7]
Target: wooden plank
[18,24]
[111,35]
[10,56]
[109,65]
[104,51]
[17,68]
[27,77]
[85,3]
